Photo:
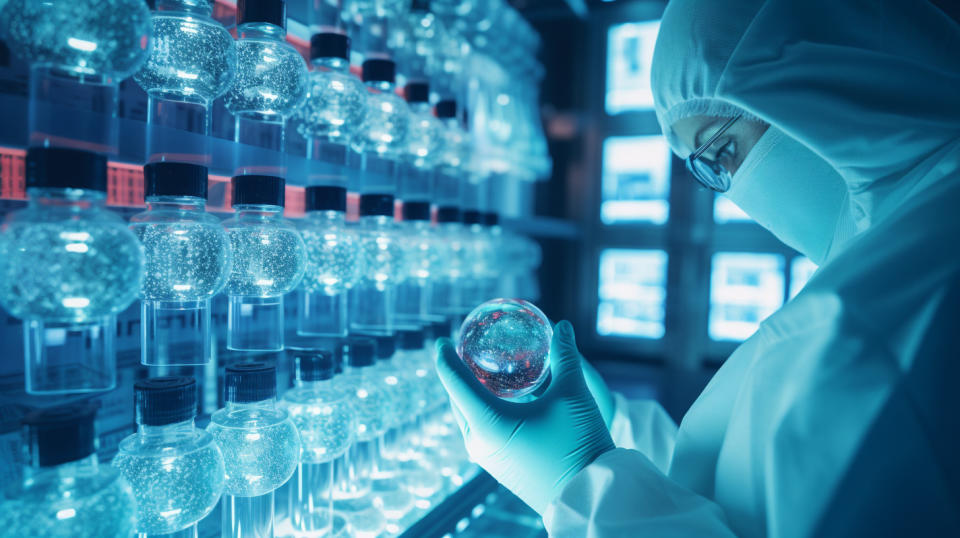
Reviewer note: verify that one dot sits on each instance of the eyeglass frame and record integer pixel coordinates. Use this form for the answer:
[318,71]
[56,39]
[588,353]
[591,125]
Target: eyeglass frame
[716,182]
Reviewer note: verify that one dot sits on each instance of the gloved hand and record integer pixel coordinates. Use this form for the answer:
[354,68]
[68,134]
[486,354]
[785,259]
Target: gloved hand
[601,393]
[532,448]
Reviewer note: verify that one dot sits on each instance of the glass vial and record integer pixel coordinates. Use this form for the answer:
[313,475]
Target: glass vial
[65,490]
[187,262]
[260,447]
[176,469]
[69,266]
[331,263]
[269,260]
[324,415]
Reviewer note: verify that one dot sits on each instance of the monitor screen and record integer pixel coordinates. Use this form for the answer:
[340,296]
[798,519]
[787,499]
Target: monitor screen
[745,288]
[629,55]
[632,292]
[636,179]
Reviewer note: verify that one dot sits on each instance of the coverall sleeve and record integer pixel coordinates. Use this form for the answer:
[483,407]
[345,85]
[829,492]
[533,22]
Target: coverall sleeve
[644,425]
[623,494]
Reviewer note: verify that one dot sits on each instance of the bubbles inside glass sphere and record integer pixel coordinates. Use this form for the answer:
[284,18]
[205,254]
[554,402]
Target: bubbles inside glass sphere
[506,344]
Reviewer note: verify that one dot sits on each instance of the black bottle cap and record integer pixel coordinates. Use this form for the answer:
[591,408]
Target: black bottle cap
[417,92]
[258,190]
[165,400]
[416,210]
[329,45]
[252,381]
[448,214]
[325,198]
[270,11]
[61,434]
[386,347]
[175,179]
[472,216]
[410,339]
[491,218]
[447,109]
[361,352]
[66,168]
[312,364]
[421,6]
[376,204]
[379,70]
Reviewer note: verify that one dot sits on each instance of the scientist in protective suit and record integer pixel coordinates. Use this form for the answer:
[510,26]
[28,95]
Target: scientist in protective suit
[836,125]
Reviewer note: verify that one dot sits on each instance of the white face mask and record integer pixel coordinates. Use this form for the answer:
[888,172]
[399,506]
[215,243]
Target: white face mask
[791,191]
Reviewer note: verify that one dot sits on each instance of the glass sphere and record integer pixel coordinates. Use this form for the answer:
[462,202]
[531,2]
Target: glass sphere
[269,257]
[271,79]
[177,480]
[193,58]
[385,125]
[506,344]
[187,254]
[86,37]
[331,253]
[335,105]
[99,503]
[67,264]
[260,446]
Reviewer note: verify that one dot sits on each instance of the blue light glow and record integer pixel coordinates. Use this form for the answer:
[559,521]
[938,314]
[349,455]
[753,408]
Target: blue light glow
[632,291]
[636,179]
[745,288]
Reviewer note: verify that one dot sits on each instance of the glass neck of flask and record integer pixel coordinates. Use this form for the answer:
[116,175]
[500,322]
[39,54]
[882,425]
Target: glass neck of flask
[375,222]
[258,212]
[417,225]
[421,107]
[261,30]
[196,7]
[180,203]
[327,216]
[268,404]
[71,198]
[331,64]
[176,430]
[362,372]
[71,469]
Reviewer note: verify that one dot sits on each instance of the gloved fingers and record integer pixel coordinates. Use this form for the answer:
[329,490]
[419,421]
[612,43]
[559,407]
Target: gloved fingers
[564,355]
[461,422]
[471,398]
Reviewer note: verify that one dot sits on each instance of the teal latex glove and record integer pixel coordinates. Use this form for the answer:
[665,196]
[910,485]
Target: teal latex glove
[601,393]
[532,448]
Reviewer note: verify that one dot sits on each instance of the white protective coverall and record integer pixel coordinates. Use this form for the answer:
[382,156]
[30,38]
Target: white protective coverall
[841,415]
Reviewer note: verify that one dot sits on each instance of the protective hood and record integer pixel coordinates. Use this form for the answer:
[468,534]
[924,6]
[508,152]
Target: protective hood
[869,86]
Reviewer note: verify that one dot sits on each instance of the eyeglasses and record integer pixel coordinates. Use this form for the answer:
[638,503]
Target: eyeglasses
[710,173]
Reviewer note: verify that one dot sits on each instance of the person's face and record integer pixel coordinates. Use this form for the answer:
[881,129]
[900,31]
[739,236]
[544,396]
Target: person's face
[730,149]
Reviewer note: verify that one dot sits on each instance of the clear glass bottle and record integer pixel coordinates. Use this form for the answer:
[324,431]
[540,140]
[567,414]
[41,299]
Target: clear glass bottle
[78,53]
[322,410]
[331,263]
[192,62]
[187,262]
[371,405]
[269,259]
[271,83]
[260,447]
[70,266]
[418,42]
[387,119]
[336,101]
[65,491]
[175,469]
[380,264]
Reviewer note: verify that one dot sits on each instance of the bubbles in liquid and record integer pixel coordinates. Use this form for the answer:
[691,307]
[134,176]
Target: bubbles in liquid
[325,420]
[371,404]
[267,261]
[261,449]
[271,79]
[185,260]
[334,107]
[331,256]
[85,507]
[385,125]
[70,271]
[176,485]
[380,260]
[193,58]
[506,344]
[87,37]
